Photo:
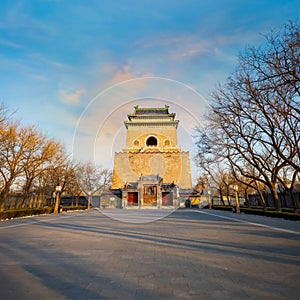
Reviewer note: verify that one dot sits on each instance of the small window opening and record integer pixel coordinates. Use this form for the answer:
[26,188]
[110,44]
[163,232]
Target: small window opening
[151,141]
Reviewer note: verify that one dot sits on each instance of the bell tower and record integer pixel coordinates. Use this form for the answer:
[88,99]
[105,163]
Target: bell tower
[152,149]
[151,129]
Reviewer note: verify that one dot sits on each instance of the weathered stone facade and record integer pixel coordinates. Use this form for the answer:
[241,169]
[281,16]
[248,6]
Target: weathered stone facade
[172,167]
[151,150]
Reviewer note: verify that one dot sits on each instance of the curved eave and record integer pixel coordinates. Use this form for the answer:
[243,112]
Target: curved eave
[145,116]
[151,124]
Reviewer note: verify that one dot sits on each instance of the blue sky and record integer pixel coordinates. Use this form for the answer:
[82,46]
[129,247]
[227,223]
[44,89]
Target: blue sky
[57,56]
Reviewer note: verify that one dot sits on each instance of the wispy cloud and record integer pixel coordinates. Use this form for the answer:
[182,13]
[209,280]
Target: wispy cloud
[125,73]
[184,47]
[10,44]
[45,60]
[176,48]
[121,75]
[71,97]
[40,78]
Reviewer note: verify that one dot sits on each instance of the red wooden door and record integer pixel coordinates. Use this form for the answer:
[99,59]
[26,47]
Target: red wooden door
[133,198]
[167,198]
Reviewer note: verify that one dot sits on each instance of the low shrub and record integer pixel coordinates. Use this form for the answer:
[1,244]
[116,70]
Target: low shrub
[70,208]
[24,212]
[222,207]
[270,212]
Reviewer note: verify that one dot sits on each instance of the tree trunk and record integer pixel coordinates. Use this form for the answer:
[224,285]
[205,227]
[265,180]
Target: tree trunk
[247,200]
[295,206]
[3,197]
[26,190]
[221,196]
[275,197]
[2,201]
[262,199]
[261,196]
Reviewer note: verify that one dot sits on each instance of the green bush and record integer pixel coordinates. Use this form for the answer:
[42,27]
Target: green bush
[23,212]
[69,208]
[270,212]
[222,207]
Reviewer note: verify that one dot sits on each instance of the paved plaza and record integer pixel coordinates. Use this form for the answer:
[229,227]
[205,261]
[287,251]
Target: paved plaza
[134,254]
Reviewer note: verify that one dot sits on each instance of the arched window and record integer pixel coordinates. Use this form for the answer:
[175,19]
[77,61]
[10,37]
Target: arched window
[151,141]
[167,143]
[136,143]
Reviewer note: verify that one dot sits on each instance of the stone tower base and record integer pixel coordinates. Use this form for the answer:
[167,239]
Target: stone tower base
[172,167]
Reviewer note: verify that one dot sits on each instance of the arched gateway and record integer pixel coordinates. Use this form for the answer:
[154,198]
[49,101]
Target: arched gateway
[151,170]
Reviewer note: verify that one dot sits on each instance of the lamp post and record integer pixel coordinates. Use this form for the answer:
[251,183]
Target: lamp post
[237,203]
[209,199]
[89,199]
[57,198]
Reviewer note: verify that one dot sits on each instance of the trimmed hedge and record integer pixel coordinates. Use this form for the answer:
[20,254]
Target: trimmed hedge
[222,207]
[269,213]
[25,212]
[272,213]
[69,208]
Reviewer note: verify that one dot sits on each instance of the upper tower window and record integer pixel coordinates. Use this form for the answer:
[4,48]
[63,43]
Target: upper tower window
[151,141]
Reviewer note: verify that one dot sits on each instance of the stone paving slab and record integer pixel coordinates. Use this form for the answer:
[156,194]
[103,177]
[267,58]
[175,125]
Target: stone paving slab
[188,254]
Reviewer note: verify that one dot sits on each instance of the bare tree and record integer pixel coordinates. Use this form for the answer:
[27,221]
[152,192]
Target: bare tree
[14,142]
[25,155]
[39,165]
[73,187]
[211,162]
[4,115]
[92,179]
[61,173]
[255,117]
[38,157]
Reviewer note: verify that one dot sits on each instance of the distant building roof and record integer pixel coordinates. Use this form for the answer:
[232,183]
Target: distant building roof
[151,110]
[132,185]
[150,177]
[151,116]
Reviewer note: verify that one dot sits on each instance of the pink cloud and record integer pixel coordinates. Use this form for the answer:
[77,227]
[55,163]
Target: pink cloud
[124,74]
[71,98]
